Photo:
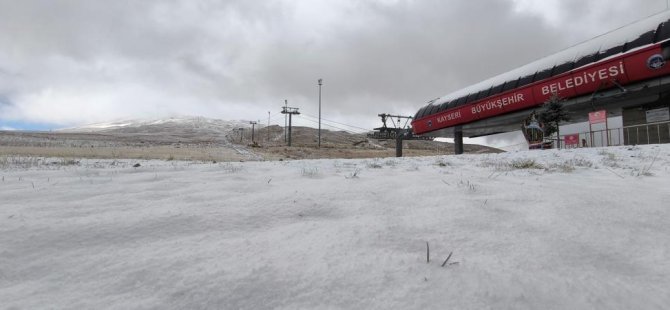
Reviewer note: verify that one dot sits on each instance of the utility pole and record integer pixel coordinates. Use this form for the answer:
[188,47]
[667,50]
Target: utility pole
[290,111]
[253,126]
[320,83]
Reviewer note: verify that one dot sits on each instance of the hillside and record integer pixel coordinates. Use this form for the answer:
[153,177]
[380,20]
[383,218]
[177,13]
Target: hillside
[198,138]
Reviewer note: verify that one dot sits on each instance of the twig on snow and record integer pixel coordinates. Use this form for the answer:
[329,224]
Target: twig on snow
[612,171]
[446,260]
[427,253]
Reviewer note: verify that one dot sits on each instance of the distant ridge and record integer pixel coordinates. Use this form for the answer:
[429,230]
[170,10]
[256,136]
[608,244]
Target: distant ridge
[172,124]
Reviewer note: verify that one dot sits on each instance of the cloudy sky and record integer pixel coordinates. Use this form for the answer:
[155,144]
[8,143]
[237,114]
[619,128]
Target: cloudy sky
[65,63]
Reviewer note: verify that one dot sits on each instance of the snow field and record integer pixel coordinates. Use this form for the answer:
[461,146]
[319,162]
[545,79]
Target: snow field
[555,229]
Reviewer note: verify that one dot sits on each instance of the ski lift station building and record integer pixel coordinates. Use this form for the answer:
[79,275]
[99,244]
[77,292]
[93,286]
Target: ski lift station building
[625,72]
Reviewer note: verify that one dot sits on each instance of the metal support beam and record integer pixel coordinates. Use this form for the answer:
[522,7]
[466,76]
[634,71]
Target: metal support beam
[398,143]
[458,141]
[289,128]
[290,111]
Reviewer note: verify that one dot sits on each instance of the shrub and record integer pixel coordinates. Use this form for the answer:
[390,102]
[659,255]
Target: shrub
[442,163]
[310,172]
[525,164]
[230,168]
[374,165]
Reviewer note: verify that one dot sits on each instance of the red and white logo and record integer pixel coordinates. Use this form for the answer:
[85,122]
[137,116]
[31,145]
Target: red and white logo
[572,139]
[598,117]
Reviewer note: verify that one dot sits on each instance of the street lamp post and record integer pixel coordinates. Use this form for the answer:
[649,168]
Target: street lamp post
[268,127]
[253,126]
[320,83]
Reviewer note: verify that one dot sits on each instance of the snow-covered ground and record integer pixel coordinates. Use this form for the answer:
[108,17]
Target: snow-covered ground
[568,229]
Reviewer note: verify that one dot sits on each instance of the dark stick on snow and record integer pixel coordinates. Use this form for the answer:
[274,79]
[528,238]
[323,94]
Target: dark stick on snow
[446,260]
[427,253]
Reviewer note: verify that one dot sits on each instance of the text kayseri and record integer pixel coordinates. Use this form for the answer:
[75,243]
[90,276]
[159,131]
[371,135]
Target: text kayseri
[449,117]
[584,79]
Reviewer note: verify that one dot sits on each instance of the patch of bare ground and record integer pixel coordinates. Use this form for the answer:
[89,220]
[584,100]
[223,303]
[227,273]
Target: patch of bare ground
[272,145]
[229,145]
[218,154]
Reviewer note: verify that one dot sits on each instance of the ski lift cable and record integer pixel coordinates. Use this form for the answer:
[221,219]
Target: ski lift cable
[348,131]
[330,126]
[272,121]
[261,122]
[335,133]
[343,129]
[314,118]
[323,119]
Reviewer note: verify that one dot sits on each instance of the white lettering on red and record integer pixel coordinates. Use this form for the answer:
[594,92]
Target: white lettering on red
[449,117]
[497,103]
[584,79]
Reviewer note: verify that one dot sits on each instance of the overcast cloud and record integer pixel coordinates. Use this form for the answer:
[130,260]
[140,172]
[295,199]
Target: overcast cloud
[69,63]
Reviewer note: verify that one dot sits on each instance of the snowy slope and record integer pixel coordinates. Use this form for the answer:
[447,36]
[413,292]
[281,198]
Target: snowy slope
[568,229]
[192,123]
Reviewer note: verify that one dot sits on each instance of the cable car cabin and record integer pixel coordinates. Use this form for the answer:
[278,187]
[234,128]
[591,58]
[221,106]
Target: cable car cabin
[533,131]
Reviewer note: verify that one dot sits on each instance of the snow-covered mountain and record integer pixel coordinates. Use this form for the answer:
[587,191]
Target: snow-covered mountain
[182,124]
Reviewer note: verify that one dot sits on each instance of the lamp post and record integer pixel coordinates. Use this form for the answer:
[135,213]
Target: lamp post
[320,83]
[268,127]
[253,126]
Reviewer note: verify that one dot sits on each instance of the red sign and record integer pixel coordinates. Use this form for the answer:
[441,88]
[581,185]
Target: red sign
[627,68]
[572,139]
[597,117]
